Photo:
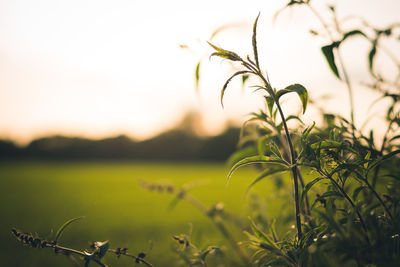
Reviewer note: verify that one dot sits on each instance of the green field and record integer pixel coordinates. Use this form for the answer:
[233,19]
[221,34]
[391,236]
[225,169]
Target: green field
[38,197]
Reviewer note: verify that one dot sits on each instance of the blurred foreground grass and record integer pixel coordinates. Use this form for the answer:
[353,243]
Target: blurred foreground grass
[40,196]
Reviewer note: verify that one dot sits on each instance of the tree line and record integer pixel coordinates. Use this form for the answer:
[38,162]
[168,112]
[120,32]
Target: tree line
[179,144]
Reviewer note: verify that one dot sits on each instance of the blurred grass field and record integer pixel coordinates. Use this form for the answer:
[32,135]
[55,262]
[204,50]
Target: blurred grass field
[38,197]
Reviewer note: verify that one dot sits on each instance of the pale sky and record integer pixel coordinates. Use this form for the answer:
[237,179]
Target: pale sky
[101,68]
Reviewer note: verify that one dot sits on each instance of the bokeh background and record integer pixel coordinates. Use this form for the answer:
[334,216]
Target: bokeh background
[95,95]
[102,68]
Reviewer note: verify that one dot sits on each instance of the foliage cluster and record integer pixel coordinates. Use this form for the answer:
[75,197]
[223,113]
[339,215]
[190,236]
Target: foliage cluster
[345,183]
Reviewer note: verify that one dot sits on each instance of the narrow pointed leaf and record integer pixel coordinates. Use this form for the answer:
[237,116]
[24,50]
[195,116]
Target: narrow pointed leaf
[327,144]
[326,195]
[293,117]
[244,79]
[226,56]
[371,57]
[307,130]
[256,159]
[394,138]
[228,81]
[270,104]
[262,236]
[357,191]
[308,187]
[367,158]
[64,226]
[197,75]
[254,39]
[297,88]
[383,158]
[224,53]
[330,58]
[353,32]
[265,175]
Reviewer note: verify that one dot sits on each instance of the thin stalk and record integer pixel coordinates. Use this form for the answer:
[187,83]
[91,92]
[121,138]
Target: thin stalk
[294,173]
[137,259]
[378,197]
[293,159]
[37,242]
[345,195]
[307,209]
[73,251]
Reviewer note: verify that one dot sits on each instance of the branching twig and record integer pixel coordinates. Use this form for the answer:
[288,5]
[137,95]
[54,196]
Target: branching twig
[100,249]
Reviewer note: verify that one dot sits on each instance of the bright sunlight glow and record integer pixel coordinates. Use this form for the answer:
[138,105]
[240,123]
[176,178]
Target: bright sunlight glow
[97,68]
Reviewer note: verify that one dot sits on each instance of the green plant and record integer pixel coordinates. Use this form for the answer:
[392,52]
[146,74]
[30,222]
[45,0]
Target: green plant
[216,214]
[346,183]
[252,67]
[96,255]
[353,218]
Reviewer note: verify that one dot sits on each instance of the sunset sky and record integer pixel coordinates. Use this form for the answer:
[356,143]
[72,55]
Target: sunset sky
[101,68]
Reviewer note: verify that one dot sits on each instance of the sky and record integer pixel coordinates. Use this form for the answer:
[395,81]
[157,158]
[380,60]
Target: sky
[98,68]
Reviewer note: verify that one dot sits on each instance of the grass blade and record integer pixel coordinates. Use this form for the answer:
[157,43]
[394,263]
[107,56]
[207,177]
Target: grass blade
[254,41]
[64,226]
[330,58]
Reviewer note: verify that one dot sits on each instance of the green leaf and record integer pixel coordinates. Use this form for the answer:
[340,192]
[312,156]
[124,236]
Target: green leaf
[64,226]
[256,159]
[265,174]
[394,138]
[307,131]
[357,191]
[270,103]
[330,58]
[347,166]
[244,79]
[197,75]
[308,187]
[383,158]
[371,57]
[241,154]
[224,53]
[262,236]
[228,81]
[367,158]
[326,144]
[297,88]
[327,194]
[254,41]
[353,32]
[293,117]
[273,147]
[208,250]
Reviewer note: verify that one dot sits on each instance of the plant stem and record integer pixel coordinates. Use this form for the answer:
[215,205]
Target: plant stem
[294,173]
[74,251]
[137,259]
[378,197]
[293,159]
[307,210]
[344,194]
